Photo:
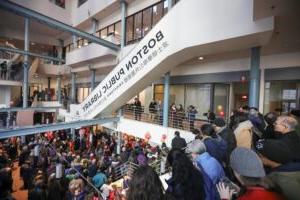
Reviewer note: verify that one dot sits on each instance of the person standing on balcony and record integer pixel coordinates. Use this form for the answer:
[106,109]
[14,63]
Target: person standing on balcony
[137,106]
[192,116]
[173,113]
[3,70]
[152,109]
[180,116]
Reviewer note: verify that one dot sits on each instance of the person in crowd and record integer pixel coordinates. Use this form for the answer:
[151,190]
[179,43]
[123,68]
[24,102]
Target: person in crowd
[211,116]
[205,161]
[244,109]
[243,130]
[3,70]
[173,115]
[99,179]
[178,142]
[296,114]
[186,182]
[145,185]
[249,171]
[286,148]
[180,116]
[215,145]
[269,132]
[6,183]
[152,109]
[137,106]
[225,133]
[192,116]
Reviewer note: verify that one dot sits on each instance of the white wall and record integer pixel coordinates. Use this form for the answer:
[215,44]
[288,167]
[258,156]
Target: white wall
[139,129]
[49,9]
[240,64]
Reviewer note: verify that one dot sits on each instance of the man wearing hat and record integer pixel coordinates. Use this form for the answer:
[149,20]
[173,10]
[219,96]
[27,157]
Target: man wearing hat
[249,171]
[205,161]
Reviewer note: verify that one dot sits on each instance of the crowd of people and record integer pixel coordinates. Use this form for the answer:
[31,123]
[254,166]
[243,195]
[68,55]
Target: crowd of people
[9,71]
[54,165]
[251,157]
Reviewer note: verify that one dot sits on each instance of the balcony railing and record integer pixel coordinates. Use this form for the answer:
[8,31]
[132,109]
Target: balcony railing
[178,120]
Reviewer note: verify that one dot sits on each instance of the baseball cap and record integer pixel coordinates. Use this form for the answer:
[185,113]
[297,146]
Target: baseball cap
[246,163]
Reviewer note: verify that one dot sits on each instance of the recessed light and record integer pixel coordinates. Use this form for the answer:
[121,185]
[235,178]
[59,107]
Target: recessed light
[201,58]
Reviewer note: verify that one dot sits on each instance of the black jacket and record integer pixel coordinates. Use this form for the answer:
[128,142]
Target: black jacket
[178,143]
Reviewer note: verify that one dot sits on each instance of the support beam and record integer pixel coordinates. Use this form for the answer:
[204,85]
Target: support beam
[54,127]
[59,88]
[28,53]
[254,77]
[123,23]
[93,77]
[95,25]
[28,13]
[166,100]
[74,39]
[36,109]
[26,64]
[73,85]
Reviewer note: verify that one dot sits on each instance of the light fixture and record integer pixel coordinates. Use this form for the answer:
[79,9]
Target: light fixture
[32,43]
[201,58]
[79,46]
[86,43]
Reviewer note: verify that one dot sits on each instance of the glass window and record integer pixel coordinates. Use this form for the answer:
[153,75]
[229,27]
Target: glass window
[138,26]
[177,94]
[147,14]
[118,32]
[60,3]
[157,13]
[221,98]
[80,43]
[129,29]
[198,95]
[80,2]
[281,96]
[111,30]
[103,33]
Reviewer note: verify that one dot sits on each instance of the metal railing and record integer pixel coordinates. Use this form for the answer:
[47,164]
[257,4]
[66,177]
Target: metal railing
[179,120]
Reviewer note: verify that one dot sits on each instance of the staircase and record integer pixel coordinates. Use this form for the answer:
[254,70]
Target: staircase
[192,28]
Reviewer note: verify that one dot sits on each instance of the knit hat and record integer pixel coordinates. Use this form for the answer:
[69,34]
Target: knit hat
[246,163]
[196,146]
[220,122]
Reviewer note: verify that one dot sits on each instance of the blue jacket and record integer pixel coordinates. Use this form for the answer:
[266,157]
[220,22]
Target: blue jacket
[210,166]
[216,147]
[99,179]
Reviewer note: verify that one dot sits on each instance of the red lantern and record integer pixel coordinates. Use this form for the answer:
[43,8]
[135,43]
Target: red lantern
[147,136]
[163,137]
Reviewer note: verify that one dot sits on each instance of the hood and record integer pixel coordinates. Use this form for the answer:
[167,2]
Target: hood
[243,125]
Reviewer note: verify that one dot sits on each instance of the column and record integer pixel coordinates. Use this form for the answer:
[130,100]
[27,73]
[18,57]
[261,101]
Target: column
[212,98]
[73,87]
[61,47]
[73,133]
[49,83]
[123,23]
[262,91]
[254,77]
[93,77]
[94,25]
[170,4]
[26,64]
[74,38]
[166,100]
[119,142]
[59,88]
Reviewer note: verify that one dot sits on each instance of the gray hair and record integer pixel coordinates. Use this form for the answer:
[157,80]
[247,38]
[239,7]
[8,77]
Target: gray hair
[290,122]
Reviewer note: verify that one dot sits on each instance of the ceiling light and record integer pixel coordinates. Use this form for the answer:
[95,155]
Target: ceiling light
[79,46]
[201,58]
[32,43]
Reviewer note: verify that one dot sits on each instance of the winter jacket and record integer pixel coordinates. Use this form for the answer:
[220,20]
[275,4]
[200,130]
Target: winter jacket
[211,167]
[289,183]
[216,147]
[228,135]
[243,134]
[258,193]
[178,143]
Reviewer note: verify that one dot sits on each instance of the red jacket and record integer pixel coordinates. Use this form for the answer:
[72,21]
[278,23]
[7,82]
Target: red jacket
[258,193]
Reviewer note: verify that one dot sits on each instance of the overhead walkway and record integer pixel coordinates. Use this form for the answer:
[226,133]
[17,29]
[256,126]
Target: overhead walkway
[191,29]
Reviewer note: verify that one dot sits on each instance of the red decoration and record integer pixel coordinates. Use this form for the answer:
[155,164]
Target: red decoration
[147,136]
[163,137]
